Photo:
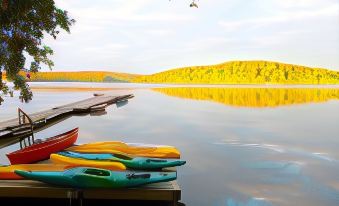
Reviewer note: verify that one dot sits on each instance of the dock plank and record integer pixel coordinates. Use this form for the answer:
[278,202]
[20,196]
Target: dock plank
[11,128]
[165,191]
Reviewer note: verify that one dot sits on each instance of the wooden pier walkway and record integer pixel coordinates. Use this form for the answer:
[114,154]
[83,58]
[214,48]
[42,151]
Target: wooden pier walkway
[167,192]
[25,124]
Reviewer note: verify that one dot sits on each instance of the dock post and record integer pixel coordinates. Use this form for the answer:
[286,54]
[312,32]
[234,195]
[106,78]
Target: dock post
[76,195]
[22,120]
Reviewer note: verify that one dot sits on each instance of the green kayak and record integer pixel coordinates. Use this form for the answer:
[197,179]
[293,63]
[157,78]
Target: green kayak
[87,177]
[140,163]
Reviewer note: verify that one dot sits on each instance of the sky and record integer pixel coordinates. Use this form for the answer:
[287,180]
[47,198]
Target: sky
[149,36]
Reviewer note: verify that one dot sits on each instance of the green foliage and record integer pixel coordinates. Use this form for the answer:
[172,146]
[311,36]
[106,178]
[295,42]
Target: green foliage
[245,72]
[23,25]
[112,79]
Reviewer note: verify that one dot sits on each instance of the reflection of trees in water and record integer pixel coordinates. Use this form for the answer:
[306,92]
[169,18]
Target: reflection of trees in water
[255,97]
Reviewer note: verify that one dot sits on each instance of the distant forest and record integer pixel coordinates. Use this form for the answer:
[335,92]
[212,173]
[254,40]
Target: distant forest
[235,72]
[245,72]
[83,76]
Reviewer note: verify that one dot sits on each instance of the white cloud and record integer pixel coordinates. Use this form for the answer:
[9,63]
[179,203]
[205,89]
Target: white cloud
[106,51]
[160,32]
[285,17]
[289,4]
[146,36]
[124,11]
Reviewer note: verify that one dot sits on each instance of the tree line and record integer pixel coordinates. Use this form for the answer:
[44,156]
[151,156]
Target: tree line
[245,72]
[83,76]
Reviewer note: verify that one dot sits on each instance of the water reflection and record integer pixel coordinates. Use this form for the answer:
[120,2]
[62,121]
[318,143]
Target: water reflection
[278,149]
[251,202]
[254,97]
[282,167]
[236,156]
[122,103]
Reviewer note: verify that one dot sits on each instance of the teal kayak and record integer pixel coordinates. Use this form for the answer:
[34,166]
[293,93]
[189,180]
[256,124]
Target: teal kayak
[140,163]
[87,177]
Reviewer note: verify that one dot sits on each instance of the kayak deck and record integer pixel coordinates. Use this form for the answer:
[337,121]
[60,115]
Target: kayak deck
[169,192]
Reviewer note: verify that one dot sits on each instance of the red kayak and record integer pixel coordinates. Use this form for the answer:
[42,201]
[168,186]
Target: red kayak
[42,150]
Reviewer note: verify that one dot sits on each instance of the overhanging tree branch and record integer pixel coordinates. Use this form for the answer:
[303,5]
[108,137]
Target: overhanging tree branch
[23,23]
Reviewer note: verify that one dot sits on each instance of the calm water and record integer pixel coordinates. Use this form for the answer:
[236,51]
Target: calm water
[244,146]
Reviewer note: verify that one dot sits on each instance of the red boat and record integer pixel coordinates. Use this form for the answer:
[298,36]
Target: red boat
[42,150]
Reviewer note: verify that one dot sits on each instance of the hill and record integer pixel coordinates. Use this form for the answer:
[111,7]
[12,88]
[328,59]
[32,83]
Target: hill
[82,76]
[244,72]
[234,72]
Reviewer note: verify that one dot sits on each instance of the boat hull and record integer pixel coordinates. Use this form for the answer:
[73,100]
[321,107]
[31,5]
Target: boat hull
[41,151]
[136,150]
[85,177]
[139,163]
[7,171]
[76,162]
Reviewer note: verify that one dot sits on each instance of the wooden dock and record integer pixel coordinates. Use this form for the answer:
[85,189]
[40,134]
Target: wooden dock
[26,124]
[167,192]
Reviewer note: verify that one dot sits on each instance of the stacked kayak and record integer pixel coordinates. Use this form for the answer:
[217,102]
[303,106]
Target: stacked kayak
[7,172]
[42,150]
[86,177]
[140,163]
[93,165]
[22,159]
[139,150]
[75,162]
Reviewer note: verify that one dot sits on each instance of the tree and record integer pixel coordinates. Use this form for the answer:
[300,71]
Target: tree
[23,26]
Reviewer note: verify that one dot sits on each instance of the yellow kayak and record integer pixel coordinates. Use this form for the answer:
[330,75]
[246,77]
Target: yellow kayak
[140,150]
[7,171]
[75,162]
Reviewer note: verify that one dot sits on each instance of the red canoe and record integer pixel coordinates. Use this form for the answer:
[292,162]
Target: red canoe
[42,150]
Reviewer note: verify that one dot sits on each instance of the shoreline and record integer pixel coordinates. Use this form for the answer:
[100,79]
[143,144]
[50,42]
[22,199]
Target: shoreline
[114,86]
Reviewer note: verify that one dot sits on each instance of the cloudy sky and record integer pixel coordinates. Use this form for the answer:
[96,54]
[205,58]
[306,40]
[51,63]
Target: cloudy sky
[147,36]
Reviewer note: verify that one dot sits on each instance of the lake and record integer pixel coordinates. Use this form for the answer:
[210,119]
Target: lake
[244,145]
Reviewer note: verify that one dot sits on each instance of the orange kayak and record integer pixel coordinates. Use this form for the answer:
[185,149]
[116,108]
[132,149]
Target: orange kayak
[116,147]
[7,171]
[77,162]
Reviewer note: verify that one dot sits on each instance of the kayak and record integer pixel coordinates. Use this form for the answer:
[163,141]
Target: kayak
[42,150]
[7,171]
[115,147]
[141,150]
[130,162]
[76,162]
[86,177]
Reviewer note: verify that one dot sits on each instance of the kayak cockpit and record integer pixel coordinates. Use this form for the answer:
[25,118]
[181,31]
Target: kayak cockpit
[138,176]
[121,156]
[97,172]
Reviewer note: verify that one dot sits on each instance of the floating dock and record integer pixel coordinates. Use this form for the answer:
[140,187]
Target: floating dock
[27,124]
[167,192]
